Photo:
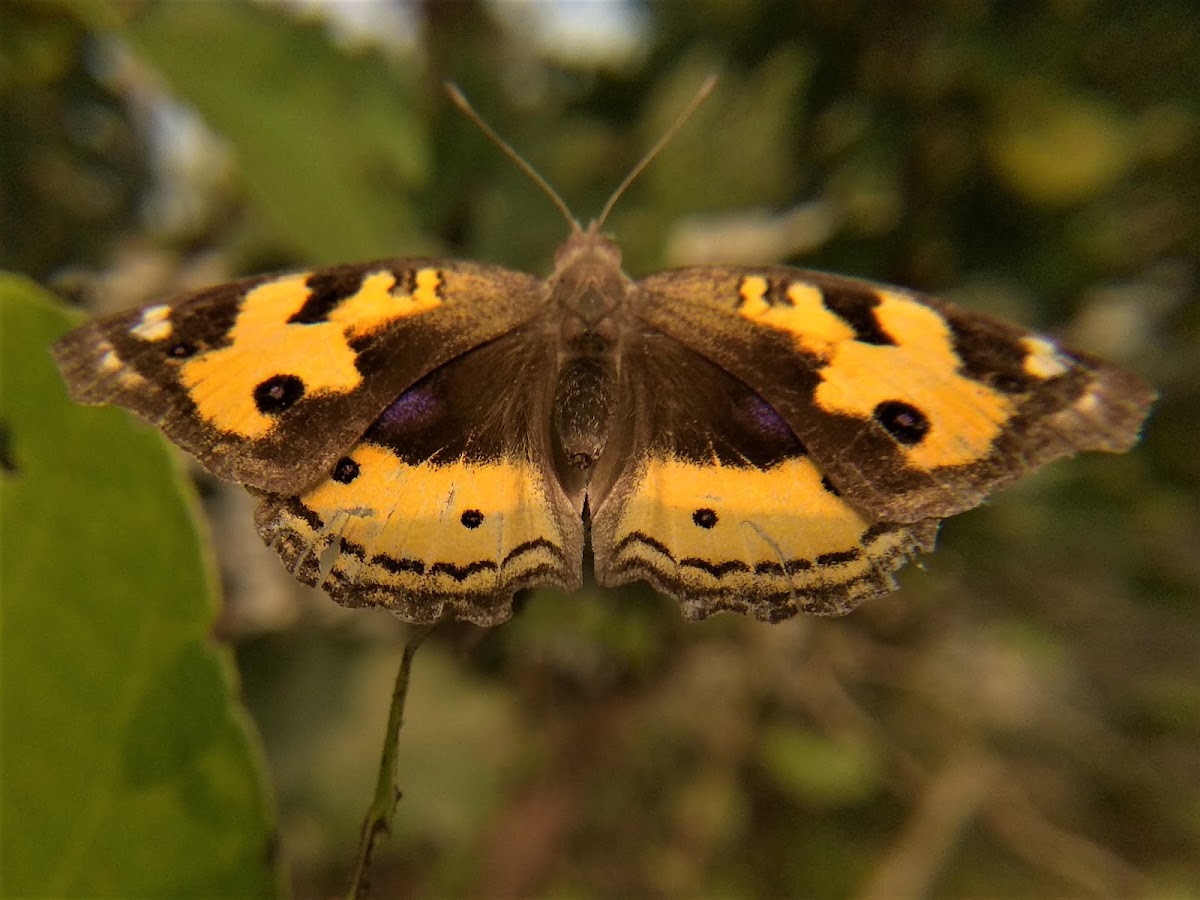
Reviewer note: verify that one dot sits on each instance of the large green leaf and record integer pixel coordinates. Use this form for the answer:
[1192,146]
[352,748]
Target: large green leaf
[327,139]
[127,768]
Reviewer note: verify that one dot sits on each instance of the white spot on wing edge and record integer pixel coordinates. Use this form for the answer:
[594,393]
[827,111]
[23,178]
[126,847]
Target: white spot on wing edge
[1043,359]
[109,361]
[1089,403]
[130,380]
[154,325]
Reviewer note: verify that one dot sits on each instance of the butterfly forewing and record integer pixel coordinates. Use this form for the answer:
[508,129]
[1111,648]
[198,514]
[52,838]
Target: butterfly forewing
[267,381]
[912,408]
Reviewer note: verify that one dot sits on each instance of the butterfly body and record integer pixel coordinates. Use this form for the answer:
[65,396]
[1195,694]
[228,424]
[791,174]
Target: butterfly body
[591,293]
[433,436]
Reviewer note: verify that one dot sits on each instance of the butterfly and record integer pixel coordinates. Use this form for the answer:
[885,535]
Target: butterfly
[433,436]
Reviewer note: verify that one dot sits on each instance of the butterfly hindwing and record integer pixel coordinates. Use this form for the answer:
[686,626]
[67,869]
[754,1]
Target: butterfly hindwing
[268,380]
[449,503]
[709,495]
[913,408]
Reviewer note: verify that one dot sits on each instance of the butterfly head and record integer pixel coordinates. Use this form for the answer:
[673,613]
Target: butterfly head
[587,250]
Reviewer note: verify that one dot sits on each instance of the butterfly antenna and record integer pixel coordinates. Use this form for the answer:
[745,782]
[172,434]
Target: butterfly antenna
[700,97]
[468,110]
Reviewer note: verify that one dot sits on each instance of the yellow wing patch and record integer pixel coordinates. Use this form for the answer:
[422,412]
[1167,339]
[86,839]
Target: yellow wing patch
[772,540]
[813,327]
[920,368]
[388,532]
[221,382]
[964,415]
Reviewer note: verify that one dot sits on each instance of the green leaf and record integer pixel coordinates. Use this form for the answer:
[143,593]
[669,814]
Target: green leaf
[329,144]
[127,768]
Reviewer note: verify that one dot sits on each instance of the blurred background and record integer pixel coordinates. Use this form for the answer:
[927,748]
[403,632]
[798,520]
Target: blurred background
[1021,719]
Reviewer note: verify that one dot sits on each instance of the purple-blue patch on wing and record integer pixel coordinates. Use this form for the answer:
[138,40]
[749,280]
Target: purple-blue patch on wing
[415,408]
[759,417]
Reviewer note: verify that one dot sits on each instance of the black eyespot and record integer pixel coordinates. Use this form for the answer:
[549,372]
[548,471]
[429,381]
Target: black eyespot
[903,421]
[278,393]
[345,471]
[472,518]
[182,350]
[830,486]
[705,518]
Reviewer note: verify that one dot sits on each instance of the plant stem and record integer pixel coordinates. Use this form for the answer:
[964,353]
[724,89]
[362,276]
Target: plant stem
[378,820]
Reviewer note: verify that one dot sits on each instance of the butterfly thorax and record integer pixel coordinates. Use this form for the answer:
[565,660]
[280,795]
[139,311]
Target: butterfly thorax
[588,291]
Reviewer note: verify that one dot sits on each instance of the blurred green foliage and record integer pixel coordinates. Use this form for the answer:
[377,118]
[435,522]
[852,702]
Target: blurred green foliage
[1022,719]
[73,165]
[126,769]
[357,181]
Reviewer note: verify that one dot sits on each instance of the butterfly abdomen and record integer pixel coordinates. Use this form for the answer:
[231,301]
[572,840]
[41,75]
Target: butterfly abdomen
[585,400]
